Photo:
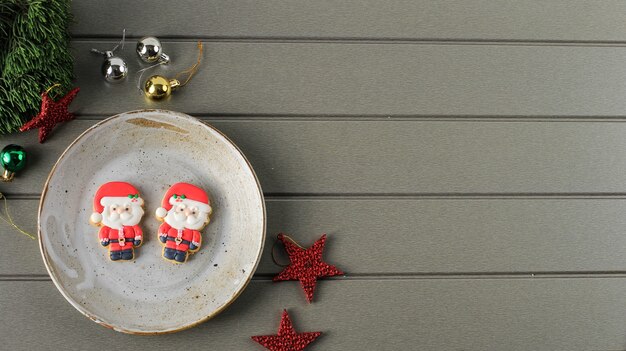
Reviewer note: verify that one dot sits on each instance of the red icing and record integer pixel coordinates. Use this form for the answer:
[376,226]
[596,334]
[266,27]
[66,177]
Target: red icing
[113,189]
[187,235]
[130,234]
[190,191]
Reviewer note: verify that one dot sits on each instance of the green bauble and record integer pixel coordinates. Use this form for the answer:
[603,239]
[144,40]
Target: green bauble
[13,158]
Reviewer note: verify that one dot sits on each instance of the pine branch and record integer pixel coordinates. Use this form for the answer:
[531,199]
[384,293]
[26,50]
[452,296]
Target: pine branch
[34,55]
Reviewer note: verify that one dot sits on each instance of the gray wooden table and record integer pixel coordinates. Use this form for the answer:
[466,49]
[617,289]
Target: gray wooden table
[467,158]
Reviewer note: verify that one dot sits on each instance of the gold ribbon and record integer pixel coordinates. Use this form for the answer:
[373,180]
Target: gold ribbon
[52,87]
[288,238]
[9,220]
[191,71]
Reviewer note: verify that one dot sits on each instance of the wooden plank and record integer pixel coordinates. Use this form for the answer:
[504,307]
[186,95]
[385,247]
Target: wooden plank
[401,157]
[372,79]
[417,236]
[361,19]
[485,314]
[23,256]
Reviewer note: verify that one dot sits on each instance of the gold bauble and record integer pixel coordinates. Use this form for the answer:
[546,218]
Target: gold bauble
[158,87]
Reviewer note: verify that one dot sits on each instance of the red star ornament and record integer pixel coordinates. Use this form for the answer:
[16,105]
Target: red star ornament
[51,113]
[287,338]
[306,264]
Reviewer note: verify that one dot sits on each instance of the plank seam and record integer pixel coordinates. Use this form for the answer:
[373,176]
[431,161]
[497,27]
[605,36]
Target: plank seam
[442,196]
[226,117]
[362,40]
[407,196]
[411,276]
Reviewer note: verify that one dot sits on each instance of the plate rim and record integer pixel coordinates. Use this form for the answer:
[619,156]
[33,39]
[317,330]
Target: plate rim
[118,328]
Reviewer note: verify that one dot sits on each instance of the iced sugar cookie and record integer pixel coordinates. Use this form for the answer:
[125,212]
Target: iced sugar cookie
[184,211]
[117,211]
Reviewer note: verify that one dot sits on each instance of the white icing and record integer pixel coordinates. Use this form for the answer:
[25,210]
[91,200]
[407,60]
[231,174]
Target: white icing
[117,200]
[161,212]
[115,220]
[181,221]
[191,203]
[120,236]
[96,218]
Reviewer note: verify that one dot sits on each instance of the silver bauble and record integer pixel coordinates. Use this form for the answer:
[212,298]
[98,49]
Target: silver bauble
[114,68]
[150,50]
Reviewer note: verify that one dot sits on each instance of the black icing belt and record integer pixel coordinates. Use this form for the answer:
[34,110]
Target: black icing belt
[171,238]
[125,240]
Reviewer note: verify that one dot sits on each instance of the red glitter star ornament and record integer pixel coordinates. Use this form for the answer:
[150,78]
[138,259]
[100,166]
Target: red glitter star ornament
[51,113]
[306,264]
[287,338]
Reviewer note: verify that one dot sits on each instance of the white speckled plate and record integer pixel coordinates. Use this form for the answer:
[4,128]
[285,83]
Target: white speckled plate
[151,149]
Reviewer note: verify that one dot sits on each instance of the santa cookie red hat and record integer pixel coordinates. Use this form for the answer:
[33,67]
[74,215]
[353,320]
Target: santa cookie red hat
[113,193]
[187,194]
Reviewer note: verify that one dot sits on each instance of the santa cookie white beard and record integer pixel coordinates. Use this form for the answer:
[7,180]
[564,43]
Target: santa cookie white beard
[195,221]
[118,209]
[185,210]
[129,217]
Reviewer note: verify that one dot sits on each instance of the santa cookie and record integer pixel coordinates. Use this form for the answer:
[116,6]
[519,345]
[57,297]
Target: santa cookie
[184,211]
[117,211]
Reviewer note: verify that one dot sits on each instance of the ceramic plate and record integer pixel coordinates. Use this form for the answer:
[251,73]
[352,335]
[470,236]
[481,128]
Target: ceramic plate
[152,150]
